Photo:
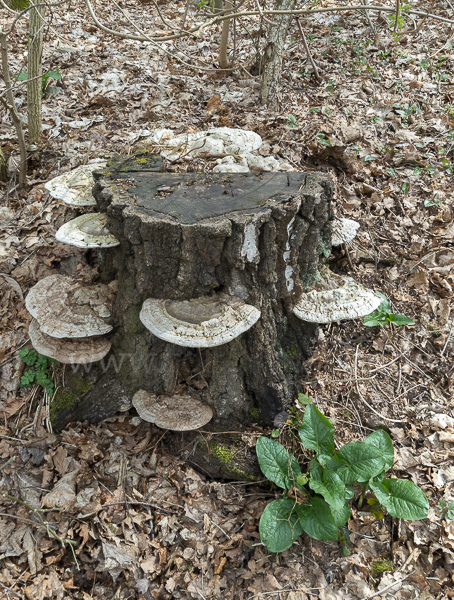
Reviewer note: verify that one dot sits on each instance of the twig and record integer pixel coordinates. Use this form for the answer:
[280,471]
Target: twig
[397,15]
[37,513]
[368,17]
[364,400]
[388,587]
[11,107]
[448,338]
[11,591]
[309,55]
[7,462]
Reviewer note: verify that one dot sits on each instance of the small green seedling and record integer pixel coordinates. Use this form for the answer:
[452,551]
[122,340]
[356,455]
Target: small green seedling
[45,79]
[291,121]
[39,371]
[316,502]
[446,510]
[383,315]
[323,139]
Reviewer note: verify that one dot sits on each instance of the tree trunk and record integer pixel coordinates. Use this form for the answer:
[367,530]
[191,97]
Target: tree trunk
[257,237]
[273,55]
[35,72]
[223,55]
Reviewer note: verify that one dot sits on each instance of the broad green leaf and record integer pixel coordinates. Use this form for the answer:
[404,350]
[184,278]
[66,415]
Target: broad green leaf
[316,432]
[401,498]
[357,461]
[383,442]
[398,319]
[277,464]
[374,320]
[349,492]
[22,76]
[384,306]
[54,74]
[279,526]
[317,520]
[341,516]
[329,485]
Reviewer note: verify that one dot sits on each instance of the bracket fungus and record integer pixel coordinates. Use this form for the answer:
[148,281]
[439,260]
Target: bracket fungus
[177,412]
[335,298]
[87,231]
[344,230]
[65,309]
[68,351]
[200,323]
[74,187]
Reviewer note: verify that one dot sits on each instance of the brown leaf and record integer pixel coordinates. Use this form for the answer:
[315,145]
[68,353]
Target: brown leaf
[213,104]
[63,495]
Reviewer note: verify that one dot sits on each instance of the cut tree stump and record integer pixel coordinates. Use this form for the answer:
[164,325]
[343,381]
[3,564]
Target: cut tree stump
[259,237]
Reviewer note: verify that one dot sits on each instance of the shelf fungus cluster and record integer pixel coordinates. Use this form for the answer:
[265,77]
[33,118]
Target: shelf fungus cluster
[68,319]
[199,323]
[335,298]
[87,231]
[178,412]
[343,231]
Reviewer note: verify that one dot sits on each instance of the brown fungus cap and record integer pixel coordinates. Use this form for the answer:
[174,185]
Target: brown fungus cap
[200,323]
[335,298]
[67,351]
[177,412]
[65,309]
[87,231]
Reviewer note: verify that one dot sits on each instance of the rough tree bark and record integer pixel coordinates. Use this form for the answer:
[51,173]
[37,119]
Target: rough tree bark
[259,237]
[35,72]
[273,55]
[223,54]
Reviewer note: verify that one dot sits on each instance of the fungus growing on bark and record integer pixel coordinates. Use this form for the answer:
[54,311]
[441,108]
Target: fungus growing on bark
[200,323]
[68,351]
[74,187]
[335,298]
[177,412]
[87,231]
[343,231]
[64,309]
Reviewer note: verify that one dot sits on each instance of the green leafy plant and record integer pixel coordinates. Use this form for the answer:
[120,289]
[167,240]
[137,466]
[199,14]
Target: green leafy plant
[291,121]
[323,139]
[316,502]
[446,510]
[45,79]
[39,371]
[383,315]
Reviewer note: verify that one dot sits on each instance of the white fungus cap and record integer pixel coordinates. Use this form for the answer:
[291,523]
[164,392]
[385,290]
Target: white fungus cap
[177,412]
[74,187]
[87,231]
[343,231]
[336,298]
[201,323]
[61,310]
[214,142]
[67,351]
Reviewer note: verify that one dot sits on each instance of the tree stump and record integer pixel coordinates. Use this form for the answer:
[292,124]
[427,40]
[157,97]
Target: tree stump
[257,237]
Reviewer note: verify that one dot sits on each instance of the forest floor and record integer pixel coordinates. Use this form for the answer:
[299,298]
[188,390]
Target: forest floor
[381,123]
